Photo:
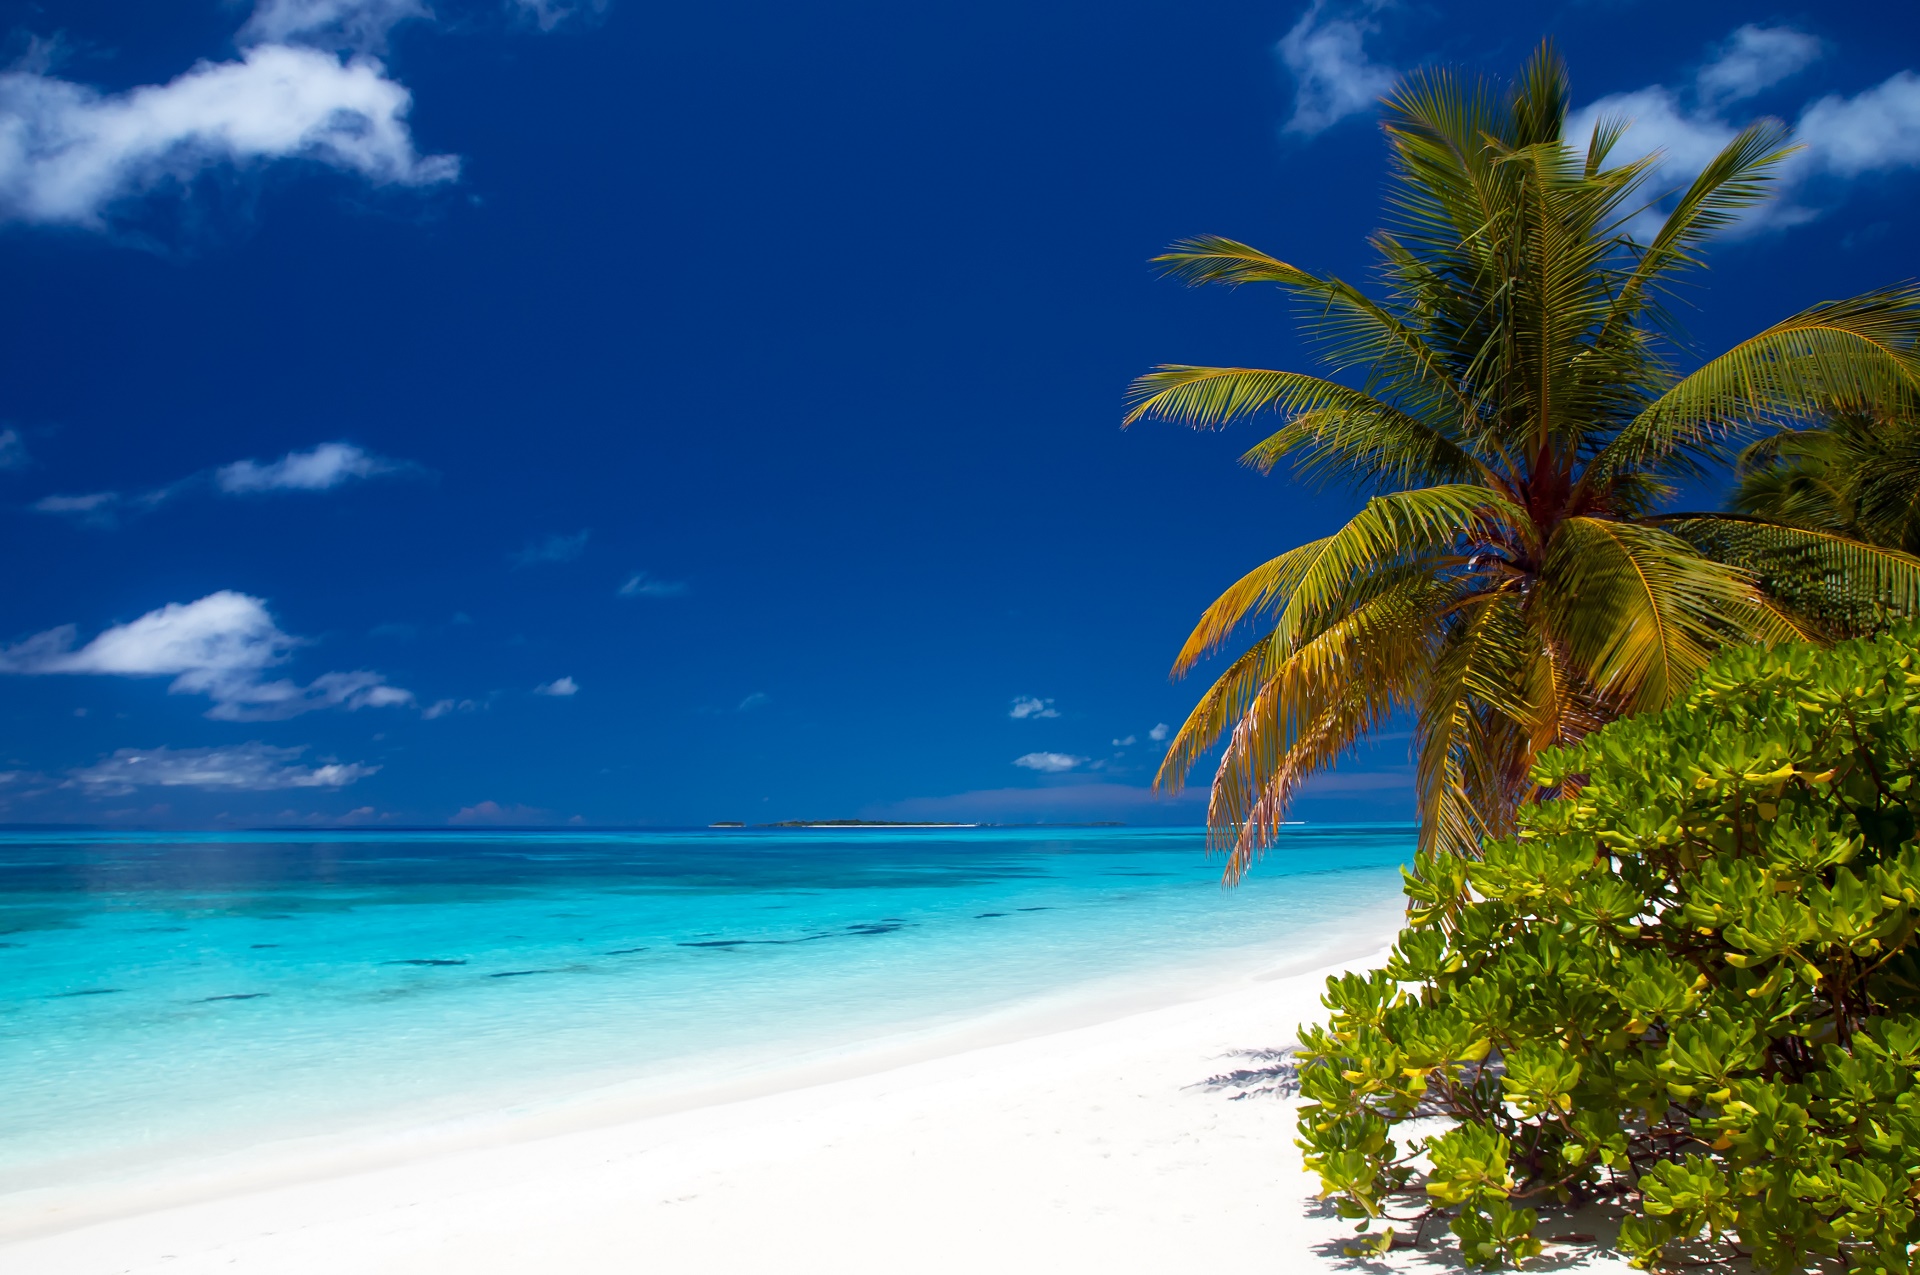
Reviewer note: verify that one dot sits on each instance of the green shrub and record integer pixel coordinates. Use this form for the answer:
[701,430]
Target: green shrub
[1688,986]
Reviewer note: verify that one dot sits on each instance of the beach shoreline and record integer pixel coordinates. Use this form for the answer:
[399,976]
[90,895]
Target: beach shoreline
[960,1119]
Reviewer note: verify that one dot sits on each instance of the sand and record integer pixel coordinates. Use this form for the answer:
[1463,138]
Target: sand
[1122,1146]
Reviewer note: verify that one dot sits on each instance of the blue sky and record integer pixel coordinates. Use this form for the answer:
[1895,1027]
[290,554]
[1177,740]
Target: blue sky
[522,411]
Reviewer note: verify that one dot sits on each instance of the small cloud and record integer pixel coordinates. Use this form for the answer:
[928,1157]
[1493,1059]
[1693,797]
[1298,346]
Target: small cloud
[759,699]
[1868,234]
[250,767]
[357,25]
[96,509]
[13,450]
[1126,742]
[441,707]
[1025,706]
[319,469]
[1049,763]
[559,688]
[1333,77]
[76,155]
[219,646]
[641,585]
[551,548]
[548,14]
[1754,58]
[492,812]
[1158,733]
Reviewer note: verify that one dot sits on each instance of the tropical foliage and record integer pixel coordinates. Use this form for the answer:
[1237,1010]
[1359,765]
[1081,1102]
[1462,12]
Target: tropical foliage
[1688,987]
[1858,474]
[1509,392]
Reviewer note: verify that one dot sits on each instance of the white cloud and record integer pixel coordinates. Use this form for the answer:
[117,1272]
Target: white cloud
[1873,131]
[758,699]
[548,14]
[1126,742]
[253,701]
[1333,77]
[69,153]
[219,647]
[1755,58]
[13,450]
[441,707]
[327,465]
[320,468]
[1158,733]
[551,548]
[252,767]
[224,632]
[95,508]
[1876,130]
[641,585]
[330,24]
[559,688]
[1025,706]
[1049,763]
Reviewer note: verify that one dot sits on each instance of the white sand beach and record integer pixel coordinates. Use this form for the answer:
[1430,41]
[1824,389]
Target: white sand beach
[1122,1146]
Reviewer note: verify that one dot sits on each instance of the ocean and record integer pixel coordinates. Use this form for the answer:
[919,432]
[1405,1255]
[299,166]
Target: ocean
[172,995]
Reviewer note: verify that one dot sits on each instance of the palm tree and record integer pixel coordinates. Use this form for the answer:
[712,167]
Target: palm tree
[1513,403]
[1858,473]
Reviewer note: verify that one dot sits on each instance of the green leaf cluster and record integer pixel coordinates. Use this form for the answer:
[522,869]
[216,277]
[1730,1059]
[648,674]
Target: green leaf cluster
[1688,984]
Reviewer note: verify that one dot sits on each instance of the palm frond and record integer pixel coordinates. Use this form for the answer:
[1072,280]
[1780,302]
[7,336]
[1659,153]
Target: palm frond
[1322,579]
[1641,610]
[1857,475]
[1207,397]
[1854,352]
[1474,694]
[1327,693]
[1835,582]
[1363,447]
[1214,259]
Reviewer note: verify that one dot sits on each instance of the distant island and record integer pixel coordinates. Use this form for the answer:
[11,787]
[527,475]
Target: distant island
[901,823]
[860,823]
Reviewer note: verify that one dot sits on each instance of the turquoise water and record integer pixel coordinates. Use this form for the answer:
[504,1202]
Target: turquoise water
[168,993]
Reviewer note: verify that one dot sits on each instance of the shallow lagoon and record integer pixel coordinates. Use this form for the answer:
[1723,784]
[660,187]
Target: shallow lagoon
[168,994]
